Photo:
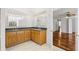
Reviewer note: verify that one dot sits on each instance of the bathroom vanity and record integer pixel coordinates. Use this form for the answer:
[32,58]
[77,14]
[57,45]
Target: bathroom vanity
[16,36]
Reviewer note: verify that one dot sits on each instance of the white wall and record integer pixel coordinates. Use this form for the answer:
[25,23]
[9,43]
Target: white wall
[64,24]
[0,28]
[3,18]
[26,22]
[42,22]
[22,23]
[34,21]
[42,18]
[77,31]
[55,25]
[50,27]
[61,13]
[74,23]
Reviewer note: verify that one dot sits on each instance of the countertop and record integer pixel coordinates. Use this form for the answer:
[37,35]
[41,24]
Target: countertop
[23,28]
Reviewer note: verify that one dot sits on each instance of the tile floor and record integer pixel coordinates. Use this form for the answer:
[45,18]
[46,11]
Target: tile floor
[31,46]
[57,49]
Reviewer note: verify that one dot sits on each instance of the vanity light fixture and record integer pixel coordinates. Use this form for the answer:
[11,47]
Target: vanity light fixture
[69,14]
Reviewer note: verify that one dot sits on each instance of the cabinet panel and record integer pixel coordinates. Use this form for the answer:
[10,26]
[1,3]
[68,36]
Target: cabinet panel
[66,41]
[39,36]
[32,35]
[10,39]
[16,37]
[20,36]
[36,37]
[56,38]
[27,34]
[42,37]
[56,35]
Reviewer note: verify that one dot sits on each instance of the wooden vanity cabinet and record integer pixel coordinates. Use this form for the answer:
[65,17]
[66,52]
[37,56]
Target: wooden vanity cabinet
[16,37]
[36,36]
[66,41]
[56,38]
[20,36]
[11,39]
[42,37]
[27,34]
[39,36]
[33,35]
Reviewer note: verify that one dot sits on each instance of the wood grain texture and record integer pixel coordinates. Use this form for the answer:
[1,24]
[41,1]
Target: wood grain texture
[17,37]
[10,39]
[39,36]
[66,41]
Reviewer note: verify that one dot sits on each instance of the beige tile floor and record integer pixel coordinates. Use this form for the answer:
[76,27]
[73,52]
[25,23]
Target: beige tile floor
[57,49]
[31,46]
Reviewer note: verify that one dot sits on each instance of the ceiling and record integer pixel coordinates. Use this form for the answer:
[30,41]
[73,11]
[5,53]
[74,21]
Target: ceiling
[31,11]
[54,9]
[59,13]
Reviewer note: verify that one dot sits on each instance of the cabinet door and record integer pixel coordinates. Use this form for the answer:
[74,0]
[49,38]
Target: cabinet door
[27,34]
[56,38]
[39,36]
[42,37]
[56,35]
[32,35]
[72,42]
[36,36]
[20,36]
[10,39]
[68,42]
[64,44]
